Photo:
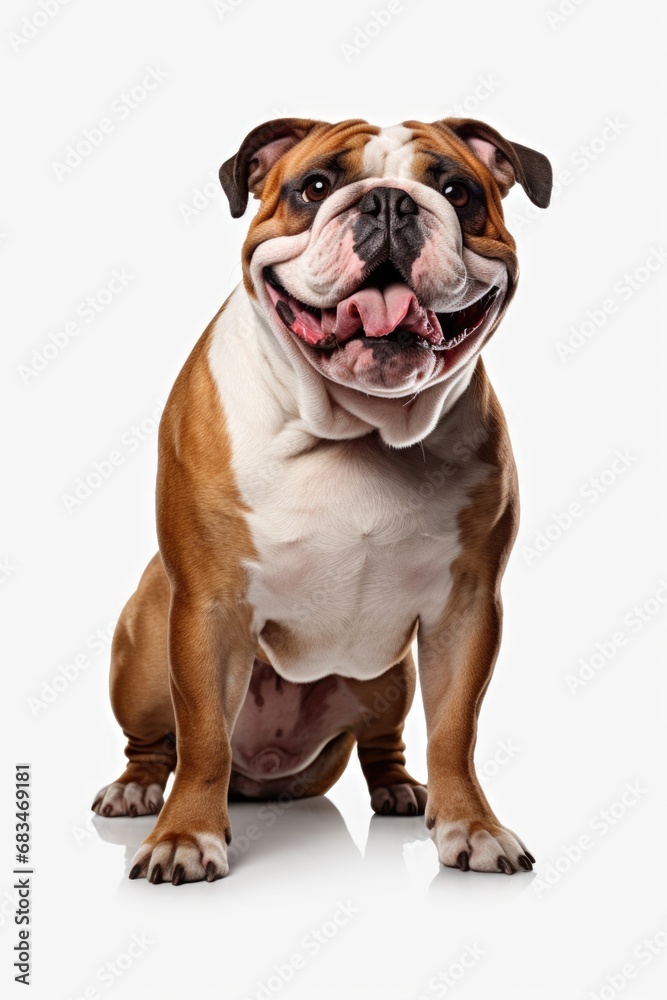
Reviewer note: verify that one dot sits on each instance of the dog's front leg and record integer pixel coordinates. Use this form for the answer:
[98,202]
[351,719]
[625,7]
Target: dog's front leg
[456,659]
[204,544]
[210,656]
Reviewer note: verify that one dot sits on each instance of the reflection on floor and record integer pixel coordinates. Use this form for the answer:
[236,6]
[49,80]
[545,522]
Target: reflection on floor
[310,836]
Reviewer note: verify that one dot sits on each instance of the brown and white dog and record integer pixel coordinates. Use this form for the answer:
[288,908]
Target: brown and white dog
[335,480]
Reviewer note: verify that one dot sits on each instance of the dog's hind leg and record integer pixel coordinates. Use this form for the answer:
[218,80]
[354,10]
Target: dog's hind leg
[141,700]
[385,704]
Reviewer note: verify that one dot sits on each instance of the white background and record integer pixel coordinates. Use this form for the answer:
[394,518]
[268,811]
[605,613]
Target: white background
[566,930]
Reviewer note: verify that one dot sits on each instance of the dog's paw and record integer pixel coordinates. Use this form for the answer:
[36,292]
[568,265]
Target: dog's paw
[399,800]
[131,799]
[480,847]
[181,858]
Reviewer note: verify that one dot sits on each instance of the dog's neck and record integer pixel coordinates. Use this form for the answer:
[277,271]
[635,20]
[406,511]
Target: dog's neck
[337,412]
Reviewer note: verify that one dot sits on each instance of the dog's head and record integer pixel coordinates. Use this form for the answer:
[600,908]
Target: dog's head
[381,253]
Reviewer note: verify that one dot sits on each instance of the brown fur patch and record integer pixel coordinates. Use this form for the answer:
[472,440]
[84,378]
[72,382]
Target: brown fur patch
[275,217]
[204,540]
[460,653]
[496,240]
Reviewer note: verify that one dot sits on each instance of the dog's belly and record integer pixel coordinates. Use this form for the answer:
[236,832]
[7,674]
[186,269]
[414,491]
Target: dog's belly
[282,727]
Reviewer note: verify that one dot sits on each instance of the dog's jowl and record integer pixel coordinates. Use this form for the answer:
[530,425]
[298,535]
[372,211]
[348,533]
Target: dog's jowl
[335,481]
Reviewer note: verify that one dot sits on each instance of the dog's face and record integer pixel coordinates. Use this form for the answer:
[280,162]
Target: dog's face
[381,253]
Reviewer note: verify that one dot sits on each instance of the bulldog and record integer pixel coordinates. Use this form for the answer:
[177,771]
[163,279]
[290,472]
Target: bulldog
[335,482]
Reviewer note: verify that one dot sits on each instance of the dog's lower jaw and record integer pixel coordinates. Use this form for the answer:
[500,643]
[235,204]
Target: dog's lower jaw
[328,409]
[398,364]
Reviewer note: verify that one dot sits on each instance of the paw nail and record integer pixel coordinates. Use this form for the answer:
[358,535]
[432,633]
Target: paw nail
[106,811]
[530,857]
[525,863]
[210,872]
[463,861]
[136,871]
[156,875]
[504,865]
[179,875]
[132,809]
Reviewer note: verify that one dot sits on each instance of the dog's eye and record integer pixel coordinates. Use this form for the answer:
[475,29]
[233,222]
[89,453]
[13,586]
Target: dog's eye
[456,194]
[316,189]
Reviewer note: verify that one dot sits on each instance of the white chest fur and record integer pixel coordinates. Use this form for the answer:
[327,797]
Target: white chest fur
[354,539]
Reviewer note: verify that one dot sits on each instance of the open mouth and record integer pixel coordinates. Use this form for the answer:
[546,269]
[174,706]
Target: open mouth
[383,310]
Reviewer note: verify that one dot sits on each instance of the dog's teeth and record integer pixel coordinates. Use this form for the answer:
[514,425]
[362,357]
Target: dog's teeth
[285,313]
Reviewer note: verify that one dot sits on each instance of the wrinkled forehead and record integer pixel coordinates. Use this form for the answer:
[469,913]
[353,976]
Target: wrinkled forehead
[408,151]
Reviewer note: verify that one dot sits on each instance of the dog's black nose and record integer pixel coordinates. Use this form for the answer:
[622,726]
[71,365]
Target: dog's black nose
[388,228]
[387,205]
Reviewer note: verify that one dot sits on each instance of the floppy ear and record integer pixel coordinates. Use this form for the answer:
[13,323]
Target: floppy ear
[245,172]
[507,161]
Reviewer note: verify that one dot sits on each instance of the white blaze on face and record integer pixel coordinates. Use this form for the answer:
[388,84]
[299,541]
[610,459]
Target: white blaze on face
[389,154]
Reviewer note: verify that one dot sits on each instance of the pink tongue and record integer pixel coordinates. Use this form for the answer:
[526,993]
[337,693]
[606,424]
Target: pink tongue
[379,312]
